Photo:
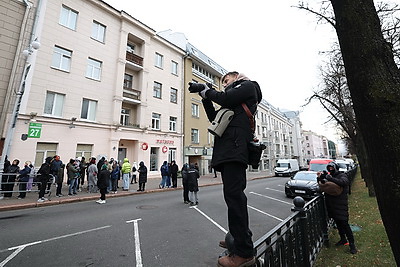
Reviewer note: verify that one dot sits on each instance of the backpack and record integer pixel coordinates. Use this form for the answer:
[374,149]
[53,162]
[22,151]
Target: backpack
[164,170]
[133,169]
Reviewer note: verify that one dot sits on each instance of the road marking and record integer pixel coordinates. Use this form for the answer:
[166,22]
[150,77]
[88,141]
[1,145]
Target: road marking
[138,252]
[19,248]
[291,204]
[265,213]
[276,190]
[211,220]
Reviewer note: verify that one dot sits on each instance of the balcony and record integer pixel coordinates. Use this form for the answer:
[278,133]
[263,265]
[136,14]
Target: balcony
[134,61]
[131,95]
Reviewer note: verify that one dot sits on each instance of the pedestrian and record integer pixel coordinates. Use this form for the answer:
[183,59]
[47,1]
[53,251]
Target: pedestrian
[126,172]
[60,180]
[10,177]
[23,179]
[164,175]
[44,177]
[193,185]
[55,167]
[134,170]
[102,182]
[82,167]
[92,176]
[231,157]
[184,172]
[73,174]
[142,176]
[31,178]
[337,205]
[115,173]
[174,174]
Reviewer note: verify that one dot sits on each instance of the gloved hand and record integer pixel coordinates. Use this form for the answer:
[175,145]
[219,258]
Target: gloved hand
[196,87]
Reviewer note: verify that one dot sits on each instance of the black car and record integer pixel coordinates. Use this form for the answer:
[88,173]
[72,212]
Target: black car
[303,184]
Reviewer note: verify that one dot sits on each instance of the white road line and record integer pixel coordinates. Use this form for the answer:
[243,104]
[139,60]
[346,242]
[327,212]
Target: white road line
[138,252]
[289,203]
[19,248]
[265,213]
[211,220]
[276,190]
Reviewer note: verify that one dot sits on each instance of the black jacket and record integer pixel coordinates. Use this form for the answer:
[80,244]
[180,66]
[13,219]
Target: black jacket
[232,145]
[192,176]
[142,173]
[337,206]
[103,178]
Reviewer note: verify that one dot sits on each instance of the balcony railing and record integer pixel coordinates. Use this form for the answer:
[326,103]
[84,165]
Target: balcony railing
[131,94]
[135,59]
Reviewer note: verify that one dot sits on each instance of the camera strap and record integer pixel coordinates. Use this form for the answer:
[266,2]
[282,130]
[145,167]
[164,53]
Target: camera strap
[251,118]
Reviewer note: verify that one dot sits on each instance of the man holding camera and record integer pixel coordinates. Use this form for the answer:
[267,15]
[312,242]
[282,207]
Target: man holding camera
[231,156]
[337,203]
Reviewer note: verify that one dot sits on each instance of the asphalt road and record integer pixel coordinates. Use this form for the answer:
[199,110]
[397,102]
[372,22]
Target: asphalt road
[155,229]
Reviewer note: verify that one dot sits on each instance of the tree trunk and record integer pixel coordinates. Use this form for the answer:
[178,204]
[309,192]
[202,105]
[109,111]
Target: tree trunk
[374,83]
[364,167]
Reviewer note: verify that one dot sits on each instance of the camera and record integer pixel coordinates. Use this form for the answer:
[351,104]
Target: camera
[322,177]
[255,149]
[196,87]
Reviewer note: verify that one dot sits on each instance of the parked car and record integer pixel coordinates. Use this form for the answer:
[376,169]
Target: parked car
[286,167]
[319,164]
[303,184]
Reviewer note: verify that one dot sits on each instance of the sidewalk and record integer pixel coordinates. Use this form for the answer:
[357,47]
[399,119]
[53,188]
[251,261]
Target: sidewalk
[30,201]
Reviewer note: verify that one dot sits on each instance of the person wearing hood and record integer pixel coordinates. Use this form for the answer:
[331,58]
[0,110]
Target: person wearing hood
[44,177]
[164,175]
[102,183]
[126,172]
[184,172]
[142,176]
[231,156]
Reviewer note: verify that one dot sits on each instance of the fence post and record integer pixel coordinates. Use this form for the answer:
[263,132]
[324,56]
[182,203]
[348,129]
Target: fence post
[305,248]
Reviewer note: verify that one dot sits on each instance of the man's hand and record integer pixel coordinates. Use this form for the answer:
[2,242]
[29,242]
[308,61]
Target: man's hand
[196,87]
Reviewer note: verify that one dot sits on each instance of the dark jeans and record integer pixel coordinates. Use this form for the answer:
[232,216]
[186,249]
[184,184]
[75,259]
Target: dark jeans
[22,189]
[103,193]
[345,230]
[174,178]
[43,184]
[58,191]
[234,183]
[185,191]
[133,178]
[114,183]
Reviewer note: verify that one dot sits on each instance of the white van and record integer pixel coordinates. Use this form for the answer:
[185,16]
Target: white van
[286,167]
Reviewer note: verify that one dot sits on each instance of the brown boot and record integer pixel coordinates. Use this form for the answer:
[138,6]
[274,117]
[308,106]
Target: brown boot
[235,261]
[222,244]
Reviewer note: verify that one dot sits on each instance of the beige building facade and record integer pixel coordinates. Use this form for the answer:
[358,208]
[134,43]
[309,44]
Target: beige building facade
[101,84]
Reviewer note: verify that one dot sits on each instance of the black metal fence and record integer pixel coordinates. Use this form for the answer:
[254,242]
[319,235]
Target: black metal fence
[298,239]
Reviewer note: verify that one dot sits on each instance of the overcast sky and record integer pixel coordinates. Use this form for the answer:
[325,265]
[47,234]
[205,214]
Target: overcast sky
[270,41]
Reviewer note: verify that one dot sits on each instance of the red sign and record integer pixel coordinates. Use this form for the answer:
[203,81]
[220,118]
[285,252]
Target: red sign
[145,146]
[164,149]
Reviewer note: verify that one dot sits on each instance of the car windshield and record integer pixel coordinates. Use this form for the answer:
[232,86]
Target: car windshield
[286,165]
[318,167]
[305,176]
[342,165]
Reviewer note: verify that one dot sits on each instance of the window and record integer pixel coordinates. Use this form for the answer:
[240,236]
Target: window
[195,136]
[84,150]
[155,121]
[54,104]
[88,111]
[98,31]
[195,110]
[61,58]
[174,96]
[174,67]
[44,150]
[130,48]
[172,124]
[159,60]
[93,69]
[128,81]
[124,120]
[157,90]
[154,158]
[68,17]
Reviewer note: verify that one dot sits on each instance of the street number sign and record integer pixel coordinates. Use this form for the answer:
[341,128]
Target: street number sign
[35,129]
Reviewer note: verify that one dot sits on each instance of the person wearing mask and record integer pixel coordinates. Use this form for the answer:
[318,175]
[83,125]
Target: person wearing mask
[142,176]
[337,205]
[102,183]
[23,179]
[231,157]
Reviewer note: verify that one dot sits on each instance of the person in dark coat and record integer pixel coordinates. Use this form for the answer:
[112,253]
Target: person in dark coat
[174,174]
[44,177]
[102,183]
[338,206]
[9,179]
[192,184]
[184,172]
[231,157]
[23,179]
[60,179]
[142,170]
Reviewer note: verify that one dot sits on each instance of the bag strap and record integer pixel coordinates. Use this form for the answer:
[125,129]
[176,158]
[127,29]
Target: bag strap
[251,118]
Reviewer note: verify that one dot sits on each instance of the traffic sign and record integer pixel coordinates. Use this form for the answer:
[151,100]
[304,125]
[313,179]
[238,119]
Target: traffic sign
[35,129]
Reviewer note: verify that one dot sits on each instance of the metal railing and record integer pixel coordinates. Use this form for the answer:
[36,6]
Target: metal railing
[12,179]
[297,240]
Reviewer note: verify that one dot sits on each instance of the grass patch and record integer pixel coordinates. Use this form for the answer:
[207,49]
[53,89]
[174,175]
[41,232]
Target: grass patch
[372,241]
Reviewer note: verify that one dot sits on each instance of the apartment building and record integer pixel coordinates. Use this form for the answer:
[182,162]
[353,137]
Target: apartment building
[315,146]
[101,84]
